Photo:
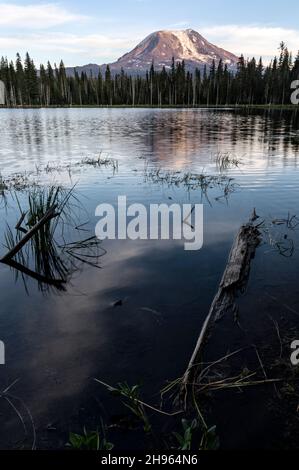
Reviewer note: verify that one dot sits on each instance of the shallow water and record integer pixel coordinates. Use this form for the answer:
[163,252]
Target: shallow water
[57,343]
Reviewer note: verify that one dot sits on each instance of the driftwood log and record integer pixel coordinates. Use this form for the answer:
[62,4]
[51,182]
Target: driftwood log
[233,281]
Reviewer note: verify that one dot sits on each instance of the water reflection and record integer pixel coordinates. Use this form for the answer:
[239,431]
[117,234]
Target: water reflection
[173,138]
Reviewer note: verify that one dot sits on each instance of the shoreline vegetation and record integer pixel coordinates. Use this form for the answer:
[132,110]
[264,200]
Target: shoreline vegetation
[282,107]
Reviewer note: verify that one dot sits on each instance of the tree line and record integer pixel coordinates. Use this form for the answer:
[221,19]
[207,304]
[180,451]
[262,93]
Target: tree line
[251,83]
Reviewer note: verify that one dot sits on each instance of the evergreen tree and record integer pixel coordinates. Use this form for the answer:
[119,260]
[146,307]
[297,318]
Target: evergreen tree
[31,83]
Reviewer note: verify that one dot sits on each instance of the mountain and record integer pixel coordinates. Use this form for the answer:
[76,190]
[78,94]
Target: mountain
[89,69]
[160,47]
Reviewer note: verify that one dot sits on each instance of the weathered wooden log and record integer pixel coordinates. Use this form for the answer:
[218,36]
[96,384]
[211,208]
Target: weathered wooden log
[50,214]
[234,278]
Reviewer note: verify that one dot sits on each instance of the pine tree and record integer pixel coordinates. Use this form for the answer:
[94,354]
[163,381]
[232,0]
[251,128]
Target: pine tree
[19,80]
[31,84]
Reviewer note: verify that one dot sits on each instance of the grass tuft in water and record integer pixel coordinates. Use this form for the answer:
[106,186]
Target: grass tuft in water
[193,181]
[99,161]
[225,161]
[54,260]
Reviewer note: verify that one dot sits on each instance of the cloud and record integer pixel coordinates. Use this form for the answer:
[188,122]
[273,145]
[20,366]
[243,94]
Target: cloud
[35,16]
[79,49]
[84,48]
[252,40]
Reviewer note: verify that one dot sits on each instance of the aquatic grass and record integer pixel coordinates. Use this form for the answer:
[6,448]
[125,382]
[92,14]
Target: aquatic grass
[42,247]
[54,167]
[279,233]
[93,161]
[54,260]
[21,410]
[28,180]
[225,161]
[3,185]
[99,161]
[192,181]
[17,182]
[87,251]
[210,379]
[11,240]
[291,221]
[40,200]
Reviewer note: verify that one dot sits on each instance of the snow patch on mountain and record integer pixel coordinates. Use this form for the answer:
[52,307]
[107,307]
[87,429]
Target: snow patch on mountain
[188,42]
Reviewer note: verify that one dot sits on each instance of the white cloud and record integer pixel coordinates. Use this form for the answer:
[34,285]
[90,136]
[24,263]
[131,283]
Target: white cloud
[67,42]
[35,16]
[81,48]
[252,40]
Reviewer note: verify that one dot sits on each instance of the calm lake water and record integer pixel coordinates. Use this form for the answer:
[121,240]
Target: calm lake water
[56,343]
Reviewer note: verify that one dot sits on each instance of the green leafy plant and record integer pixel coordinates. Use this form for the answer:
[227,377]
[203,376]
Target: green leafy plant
[132,401]
[89,440]
[185,439]
[210,440]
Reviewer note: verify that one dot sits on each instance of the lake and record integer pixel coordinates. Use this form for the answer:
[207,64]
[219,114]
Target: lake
[58,342]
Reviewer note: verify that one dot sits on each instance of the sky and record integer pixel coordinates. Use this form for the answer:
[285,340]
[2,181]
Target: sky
[96,31]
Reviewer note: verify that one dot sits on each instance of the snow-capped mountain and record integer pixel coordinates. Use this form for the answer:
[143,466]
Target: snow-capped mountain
[161,46]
